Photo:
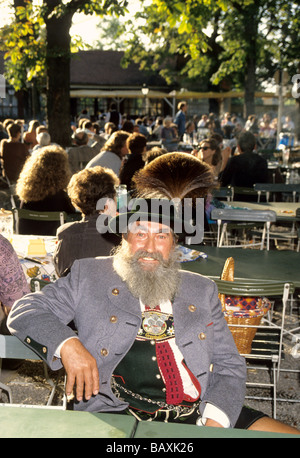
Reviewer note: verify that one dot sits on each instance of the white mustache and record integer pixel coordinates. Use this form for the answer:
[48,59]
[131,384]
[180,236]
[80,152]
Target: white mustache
[144,254]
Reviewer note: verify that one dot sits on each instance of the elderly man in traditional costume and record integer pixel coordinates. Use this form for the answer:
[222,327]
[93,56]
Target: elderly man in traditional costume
[152,340]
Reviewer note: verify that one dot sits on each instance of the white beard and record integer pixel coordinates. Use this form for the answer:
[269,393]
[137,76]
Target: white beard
[154,286]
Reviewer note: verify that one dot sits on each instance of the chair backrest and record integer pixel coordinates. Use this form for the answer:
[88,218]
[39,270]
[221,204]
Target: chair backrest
[254,288]
[244,191]
[277,188]
[37,284]
[223,193]
[267,153]
[243,215]
[70,217]
[20,213]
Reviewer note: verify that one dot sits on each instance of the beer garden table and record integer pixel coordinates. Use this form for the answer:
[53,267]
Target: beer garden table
[250,264]
[24,422]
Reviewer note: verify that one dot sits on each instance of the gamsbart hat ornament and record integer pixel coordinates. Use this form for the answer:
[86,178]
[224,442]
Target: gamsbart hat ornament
[170,190]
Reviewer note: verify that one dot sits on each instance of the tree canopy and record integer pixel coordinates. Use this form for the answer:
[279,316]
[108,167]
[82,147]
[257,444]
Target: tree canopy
[38,46]
[226,43]
[203,45]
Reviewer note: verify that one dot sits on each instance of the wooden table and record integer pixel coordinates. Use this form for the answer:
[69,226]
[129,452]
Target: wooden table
[249,264]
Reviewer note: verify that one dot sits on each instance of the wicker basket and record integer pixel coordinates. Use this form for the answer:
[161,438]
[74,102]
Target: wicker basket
[242,336]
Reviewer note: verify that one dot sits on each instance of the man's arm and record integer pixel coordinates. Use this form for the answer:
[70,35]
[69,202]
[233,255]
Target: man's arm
[227,384]
[40,320]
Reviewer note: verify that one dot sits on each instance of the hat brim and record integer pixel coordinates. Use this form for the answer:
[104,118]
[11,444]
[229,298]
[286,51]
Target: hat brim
[122,223]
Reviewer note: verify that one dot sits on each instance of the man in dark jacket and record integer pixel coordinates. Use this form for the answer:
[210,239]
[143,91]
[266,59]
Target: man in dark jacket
[13,154]
[247,168]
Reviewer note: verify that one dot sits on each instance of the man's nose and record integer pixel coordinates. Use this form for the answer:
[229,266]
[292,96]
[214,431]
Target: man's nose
[150,244]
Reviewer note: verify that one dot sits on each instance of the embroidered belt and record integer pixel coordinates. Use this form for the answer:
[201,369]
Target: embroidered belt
[179,409]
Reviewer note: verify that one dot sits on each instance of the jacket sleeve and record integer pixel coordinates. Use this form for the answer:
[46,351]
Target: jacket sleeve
[63,255]
[227,382]
[40,320]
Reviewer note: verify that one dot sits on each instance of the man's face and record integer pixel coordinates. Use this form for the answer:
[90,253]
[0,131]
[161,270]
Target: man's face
[148,262]
[150,238]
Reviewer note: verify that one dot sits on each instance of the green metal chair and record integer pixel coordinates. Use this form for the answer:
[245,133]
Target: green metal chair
[272,188]
[12,348]
[267,346]
[70,217]
[20,213]
[278,233]
[224,193]
[244,219]
[244,192]
[37,284]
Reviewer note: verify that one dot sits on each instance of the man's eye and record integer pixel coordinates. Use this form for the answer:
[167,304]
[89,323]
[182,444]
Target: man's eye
[141,234]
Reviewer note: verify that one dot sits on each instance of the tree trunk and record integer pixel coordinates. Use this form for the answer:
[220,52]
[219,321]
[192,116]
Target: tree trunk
[250,86]
[58,75]
[251,30]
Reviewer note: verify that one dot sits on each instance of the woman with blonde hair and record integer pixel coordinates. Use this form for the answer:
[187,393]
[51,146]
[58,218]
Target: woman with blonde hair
[42,187]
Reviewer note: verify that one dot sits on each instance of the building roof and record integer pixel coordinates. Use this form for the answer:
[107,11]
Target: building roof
[102,69]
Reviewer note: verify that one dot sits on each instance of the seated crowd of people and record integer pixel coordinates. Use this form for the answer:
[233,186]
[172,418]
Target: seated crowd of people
[39,170]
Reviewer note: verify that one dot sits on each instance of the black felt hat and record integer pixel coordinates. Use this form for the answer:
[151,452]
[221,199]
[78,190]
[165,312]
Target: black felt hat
[164,211]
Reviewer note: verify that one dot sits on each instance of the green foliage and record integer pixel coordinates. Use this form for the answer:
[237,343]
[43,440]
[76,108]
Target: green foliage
[25,38]
[111,32]
[214,40]
[24,43]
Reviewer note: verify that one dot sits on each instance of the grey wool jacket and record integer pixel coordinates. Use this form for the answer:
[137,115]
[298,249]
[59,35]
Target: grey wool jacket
[92,293]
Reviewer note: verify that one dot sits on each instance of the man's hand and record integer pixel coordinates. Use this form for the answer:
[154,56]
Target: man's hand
[81,369]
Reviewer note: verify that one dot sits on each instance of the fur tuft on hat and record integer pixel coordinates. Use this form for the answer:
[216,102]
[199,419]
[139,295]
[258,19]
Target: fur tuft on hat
[174,175]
